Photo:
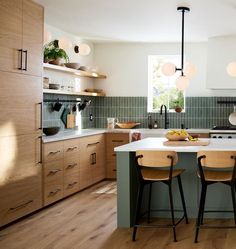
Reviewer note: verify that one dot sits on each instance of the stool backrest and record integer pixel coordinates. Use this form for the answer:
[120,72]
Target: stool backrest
[156,158]
[217,159]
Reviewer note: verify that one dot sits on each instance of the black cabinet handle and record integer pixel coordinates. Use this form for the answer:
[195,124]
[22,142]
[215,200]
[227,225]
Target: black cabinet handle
[41,116]
[92,144]
[21,57]
[41,151]
[26,59]
[21,206]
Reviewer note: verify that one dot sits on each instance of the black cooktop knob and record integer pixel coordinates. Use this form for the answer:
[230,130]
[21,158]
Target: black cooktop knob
[220,137]
[229,136]
[214,137]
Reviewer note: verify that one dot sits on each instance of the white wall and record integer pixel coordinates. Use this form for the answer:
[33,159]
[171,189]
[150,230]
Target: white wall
[126,65]
[68,79]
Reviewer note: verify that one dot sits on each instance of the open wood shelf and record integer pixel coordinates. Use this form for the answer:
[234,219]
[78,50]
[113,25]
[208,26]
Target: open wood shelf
[73,93]
[80,73]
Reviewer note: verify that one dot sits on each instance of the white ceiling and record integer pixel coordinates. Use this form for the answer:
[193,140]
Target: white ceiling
[141,21]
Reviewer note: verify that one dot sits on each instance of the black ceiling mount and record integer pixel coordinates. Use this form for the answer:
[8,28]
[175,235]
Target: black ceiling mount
[181,8]
[76,49]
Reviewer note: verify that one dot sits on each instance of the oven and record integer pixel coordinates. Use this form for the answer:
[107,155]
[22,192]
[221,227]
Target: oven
[223,132]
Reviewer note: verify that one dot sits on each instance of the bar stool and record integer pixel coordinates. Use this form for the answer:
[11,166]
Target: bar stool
[151,167]
[214,167]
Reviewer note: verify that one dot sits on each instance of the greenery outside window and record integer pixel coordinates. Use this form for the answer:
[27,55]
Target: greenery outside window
[162,89]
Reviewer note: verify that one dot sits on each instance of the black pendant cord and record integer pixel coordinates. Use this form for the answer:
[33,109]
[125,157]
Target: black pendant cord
[182,9]
[182,45]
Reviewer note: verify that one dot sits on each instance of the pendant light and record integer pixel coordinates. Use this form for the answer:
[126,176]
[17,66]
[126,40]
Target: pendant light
[188,70]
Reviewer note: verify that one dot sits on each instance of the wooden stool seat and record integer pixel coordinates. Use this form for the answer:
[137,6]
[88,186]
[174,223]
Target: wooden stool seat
[159,175]
[216,176]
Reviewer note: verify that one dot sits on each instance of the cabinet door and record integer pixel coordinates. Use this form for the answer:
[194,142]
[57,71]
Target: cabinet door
[20,176]
[32,38]
[98,165]
[20,96]
[113,140]
[10,35]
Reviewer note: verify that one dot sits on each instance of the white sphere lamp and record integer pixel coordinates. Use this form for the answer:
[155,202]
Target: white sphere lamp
[231,69]
[189,70]
[182,83]
[168,69]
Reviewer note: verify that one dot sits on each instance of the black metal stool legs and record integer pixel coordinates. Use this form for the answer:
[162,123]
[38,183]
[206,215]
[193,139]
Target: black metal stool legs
[137,211]
[233,200]
[149,202]
[201,210]
[172,210]
[182,198]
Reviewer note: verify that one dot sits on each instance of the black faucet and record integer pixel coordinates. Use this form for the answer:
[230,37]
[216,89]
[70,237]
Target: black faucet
[166,121]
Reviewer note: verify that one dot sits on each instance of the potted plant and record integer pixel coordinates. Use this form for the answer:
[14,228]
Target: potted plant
[55,55]
[178,107]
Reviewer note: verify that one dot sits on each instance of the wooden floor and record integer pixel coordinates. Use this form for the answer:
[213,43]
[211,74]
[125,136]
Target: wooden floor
[87,220]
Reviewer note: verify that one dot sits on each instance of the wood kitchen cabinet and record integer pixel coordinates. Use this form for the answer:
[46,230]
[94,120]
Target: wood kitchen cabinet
[21,37]
[113,140]
[92,164]
[20,177]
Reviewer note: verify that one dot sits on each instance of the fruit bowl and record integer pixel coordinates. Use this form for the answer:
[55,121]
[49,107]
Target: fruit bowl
[127,125]
[177,135]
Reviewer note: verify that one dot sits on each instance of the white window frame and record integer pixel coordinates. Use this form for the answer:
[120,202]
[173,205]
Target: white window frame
[166,58]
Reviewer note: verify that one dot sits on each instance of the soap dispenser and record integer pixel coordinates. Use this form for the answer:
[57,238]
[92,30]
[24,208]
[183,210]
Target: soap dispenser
[155,126]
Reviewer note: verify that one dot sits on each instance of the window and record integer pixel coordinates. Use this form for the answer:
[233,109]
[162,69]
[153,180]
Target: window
[162,89]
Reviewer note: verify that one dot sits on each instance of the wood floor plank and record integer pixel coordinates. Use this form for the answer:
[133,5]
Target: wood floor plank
[87,220]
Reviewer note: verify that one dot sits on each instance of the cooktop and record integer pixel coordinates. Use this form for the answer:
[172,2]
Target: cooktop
[224,128]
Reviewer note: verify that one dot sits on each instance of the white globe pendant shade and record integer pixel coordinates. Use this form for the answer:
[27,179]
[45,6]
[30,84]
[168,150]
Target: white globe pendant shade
[84,49]
[47,36]
[168,69]
[182,83]
[231,69]
[65,43]
[189,70]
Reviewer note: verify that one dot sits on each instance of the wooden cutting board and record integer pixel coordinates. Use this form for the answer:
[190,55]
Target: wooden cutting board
[186,143]
[70,121]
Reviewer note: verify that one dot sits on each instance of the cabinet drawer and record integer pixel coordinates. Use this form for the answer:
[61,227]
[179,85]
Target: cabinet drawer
[71,166]
[111,170]
[53,151]
[71,184]
[53,171]
[52,192]
[117,138]
[20,198]
[71,147]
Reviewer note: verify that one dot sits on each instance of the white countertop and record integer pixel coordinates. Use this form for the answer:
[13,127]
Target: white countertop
[70,134]
[157,144]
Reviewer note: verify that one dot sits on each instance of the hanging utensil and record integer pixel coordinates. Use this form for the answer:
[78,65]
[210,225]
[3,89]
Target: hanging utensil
[232,117]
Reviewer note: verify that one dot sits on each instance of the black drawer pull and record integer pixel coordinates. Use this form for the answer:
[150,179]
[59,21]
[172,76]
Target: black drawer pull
[21,206]
[54,192]
[71,166]
[114,170]
[21,56]
[72,148]
[53,152]
[114,154]
[117,141]
[70,185]
[26,60]
[92,144]
[54,171]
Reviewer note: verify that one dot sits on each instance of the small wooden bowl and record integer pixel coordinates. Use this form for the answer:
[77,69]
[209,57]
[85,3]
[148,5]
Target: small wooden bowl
[176,137]
[127,125]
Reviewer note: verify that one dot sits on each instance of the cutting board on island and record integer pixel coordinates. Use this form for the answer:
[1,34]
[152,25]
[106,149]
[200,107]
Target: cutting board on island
[186,143]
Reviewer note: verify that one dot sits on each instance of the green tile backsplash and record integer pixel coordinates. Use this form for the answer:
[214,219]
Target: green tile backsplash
[201,112]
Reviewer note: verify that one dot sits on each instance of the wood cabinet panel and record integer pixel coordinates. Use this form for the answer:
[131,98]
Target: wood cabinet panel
[113,140]
[71,184]
[10,35]
[33,17]
[71,147]
[20,197]
[53,172]
[20,176]
[52,151]
[53,191]
[71,166]
[20,96]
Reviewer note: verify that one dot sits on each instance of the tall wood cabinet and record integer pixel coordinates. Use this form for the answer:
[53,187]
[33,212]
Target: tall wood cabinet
[21,42]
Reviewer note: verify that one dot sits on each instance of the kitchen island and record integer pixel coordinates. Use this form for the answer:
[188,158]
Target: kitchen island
[218,197]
